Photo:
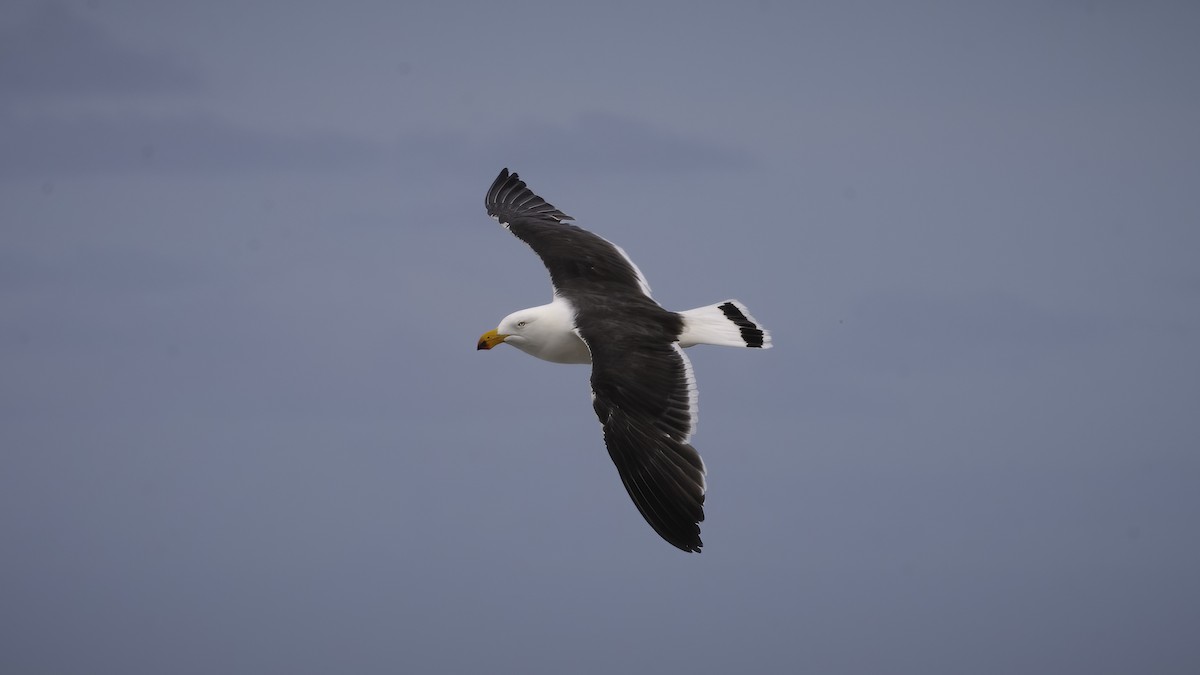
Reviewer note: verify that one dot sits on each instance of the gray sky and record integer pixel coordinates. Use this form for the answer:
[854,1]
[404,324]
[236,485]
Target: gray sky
[244,263]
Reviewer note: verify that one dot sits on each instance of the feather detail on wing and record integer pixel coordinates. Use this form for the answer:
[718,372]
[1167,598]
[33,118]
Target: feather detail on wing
[575,257]
[646,401]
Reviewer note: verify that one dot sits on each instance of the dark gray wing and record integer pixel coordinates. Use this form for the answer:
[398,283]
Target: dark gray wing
[576,259]
[645,396]
[643,388]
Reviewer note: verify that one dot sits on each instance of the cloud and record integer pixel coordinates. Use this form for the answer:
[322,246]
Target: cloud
[603,142]
[968,333]
[55,53]
[95,272]
[51,148]
[56,56]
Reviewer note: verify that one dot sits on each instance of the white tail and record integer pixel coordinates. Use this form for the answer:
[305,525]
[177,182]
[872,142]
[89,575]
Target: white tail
[726,323]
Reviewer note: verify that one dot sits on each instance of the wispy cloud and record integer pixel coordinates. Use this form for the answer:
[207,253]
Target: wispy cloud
[604,142]
[53,147]
[49,147]
[55,53]
[980,331]
[57,61]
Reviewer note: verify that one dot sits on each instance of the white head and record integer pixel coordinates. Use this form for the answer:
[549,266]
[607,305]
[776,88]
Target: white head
[517,329]
[547,332]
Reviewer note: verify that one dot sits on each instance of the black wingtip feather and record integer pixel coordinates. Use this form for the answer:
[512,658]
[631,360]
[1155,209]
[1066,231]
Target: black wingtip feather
[669,497]
[510,198]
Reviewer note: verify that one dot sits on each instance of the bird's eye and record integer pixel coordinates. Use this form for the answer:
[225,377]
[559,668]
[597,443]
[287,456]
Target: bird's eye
[520,324]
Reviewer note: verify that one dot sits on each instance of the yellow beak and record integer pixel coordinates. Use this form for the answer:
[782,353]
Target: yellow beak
[490,339]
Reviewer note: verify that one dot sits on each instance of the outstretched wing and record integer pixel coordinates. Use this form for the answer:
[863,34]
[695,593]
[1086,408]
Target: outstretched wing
[575,258]
[644,393]
[642,384]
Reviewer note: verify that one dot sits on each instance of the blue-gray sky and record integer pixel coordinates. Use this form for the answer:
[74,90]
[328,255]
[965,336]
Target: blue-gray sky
[244,262]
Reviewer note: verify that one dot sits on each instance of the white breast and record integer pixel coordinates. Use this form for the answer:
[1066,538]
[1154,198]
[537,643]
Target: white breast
[564,347]
[549,333]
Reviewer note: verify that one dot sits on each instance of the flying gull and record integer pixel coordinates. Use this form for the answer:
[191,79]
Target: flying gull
[643,388]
